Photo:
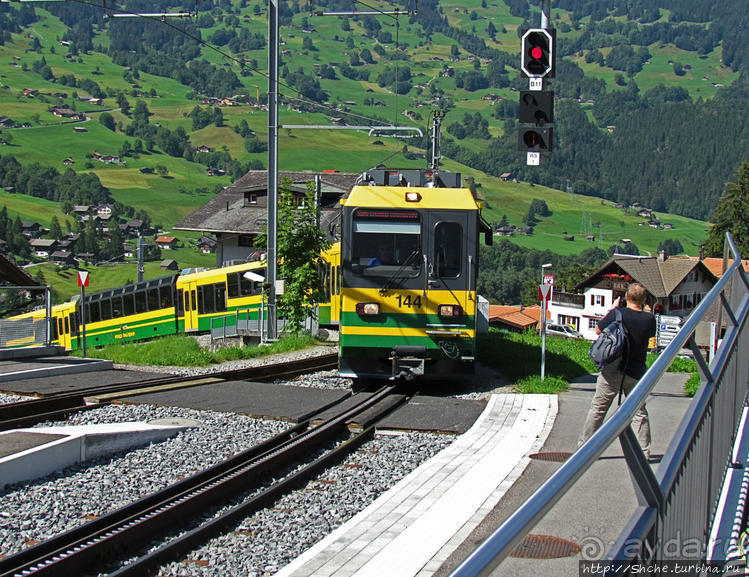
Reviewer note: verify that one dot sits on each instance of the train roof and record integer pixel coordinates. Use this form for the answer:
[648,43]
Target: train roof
[395,197]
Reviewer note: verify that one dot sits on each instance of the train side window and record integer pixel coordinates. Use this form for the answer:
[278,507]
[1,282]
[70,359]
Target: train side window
[153,299]
[67,326]
[94,315]
[193,299]
[74,321]
[220,292]
[245,286]
[140,302]
[166,297]
[128,305]
[58,329]
[232,284]
[203,305]
[180,302]
[447,249]
[337,280]
[116,307]
[106,309]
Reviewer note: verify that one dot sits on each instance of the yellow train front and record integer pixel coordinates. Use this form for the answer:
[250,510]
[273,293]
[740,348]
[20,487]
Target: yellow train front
[409,258]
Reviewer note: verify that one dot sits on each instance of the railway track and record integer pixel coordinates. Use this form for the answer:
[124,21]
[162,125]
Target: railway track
[91,548]
[59,406]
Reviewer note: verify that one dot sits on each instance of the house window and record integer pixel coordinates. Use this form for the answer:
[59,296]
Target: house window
[574,322]
[692,276]
[600,300]
[245,240]
[592,324]
[253,199]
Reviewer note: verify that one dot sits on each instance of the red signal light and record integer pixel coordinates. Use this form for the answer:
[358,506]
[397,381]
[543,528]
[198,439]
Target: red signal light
[536,52]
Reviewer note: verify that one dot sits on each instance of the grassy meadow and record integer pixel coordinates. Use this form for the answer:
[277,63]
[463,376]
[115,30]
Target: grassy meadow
[50,140]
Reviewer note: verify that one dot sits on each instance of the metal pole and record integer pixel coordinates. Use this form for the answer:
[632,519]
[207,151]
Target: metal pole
[48,312]
[83,318]
[543,338]
[273,41]
[545,13]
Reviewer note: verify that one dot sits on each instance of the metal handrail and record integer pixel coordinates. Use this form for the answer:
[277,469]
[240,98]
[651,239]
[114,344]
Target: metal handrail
[493,550]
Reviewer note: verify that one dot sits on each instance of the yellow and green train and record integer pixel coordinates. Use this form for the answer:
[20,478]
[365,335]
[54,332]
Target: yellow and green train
[409,261]
[178,303]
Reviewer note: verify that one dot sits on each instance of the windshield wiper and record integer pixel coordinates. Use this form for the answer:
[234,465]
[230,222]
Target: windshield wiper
[397,273]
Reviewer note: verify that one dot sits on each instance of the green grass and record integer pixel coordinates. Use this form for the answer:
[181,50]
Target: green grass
[518,357]
[183,351]
[681,365]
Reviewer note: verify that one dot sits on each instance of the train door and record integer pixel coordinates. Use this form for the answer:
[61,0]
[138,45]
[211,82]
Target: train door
[190,296]
[452,254]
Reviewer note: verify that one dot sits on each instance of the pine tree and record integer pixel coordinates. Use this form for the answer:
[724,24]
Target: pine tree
[731,214]
[55,230]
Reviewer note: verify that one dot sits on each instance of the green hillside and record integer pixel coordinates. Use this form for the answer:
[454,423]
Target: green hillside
[448,50]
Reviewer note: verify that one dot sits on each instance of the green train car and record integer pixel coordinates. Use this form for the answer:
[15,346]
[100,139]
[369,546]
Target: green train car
[179,303]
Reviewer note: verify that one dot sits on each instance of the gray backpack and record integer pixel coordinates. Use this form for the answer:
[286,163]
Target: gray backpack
[611,346]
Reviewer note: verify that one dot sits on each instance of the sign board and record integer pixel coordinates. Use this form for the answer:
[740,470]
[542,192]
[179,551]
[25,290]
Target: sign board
[82,278]
[549,279]
[533,159]
[544,292]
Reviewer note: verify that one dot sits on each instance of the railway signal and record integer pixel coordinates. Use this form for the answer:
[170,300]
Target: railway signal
[535,138]
[536,107]
[537,56]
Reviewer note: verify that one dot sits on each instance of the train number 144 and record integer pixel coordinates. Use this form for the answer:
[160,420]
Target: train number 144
[407,301]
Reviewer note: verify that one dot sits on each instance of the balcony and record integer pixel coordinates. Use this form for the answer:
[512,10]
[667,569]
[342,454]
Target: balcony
[568,300]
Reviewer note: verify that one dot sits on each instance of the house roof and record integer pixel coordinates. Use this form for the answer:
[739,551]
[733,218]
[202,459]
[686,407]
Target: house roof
[165,239]
[227,212]
[516,316]
[42,242]
[660,278]
[12,274]
[715,265]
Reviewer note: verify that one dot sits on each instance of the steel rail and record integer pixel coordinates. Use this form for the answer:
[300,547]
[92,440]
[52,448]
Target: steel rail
[126,529]
[59,405]
[182,545]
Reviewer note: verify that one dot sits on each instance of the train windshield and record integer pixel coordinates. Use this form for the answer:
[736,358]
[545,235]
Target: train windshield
[386,242]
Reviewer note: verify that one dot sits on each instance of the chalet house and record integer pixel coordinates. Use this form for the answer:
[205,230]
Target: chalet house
[237,214]
[166,242]
[505,231]
[43,247]
[104,210]
[674,286]
[64,113]
[62,257]
[30,229]
[207,245]
[169,264]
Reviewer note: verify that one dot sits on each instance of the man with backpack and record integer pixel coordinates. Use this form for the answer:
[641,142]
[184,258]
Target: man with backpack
[625,371]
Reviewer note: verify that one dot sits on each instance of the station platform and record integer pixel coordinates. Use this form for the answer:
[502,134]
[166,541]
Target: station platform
[34,362]
[27,454]
[413,527]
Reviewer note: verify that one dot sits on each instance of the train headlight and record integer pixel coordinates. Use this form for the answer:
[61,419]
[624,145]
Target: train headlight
[367,309]
[450,311]
[413,197]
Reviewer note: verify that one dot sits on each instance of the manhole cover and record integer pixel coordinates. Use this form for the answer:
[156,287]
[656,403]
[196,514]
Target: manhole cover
[557,457]
[545,547]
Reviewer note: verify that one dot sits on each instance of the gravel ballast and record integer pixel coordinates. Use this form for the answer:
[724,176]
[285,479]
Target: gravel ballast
[263,542]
